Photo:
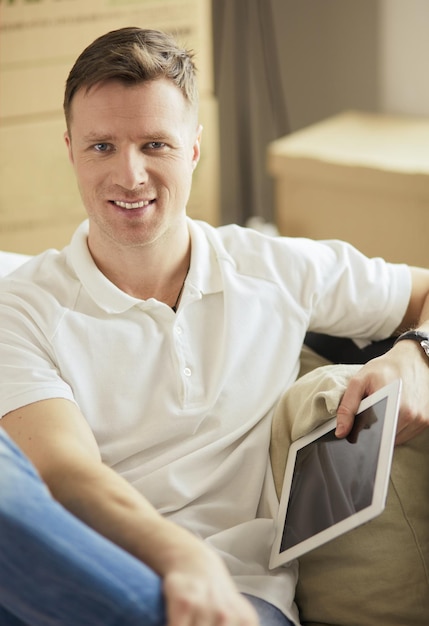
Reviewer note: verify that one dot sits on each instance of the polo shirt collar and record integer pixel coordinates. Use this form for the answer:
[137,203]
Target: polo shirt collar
[106,295]
[204,275]
[204,272]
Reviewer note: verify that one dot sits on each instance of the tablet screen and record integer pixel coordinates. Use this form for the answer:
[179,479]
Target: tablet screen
[333,485]
[334,478]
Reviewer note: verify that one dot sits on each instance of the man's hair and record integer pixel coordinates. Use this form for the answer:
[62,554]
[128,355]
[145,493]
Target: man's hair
[132,56]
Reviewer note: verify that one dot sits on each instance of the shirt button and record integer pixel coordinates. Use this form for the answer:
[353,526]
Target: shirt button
[187,371]
[178,330]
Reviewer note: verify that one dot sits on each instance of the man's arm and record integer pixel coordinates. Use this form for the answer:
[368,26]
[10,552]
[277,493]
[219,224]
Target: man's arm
[406,360]
[57,439]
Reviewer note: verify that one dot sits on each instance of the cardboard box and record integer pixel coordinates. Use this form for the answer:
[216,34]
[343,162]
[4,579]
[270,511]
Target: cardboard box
[40,40]
[40,205]
[359,177]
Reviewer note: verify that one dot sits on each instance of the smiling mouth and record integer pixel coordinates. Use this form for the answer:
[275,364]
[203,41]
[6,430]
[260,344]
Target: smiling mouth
[131,205]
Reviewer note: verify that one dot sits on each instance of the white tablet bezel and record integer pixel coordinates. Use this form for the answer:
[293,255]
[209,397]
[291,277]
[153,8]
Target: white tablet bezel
[392,394]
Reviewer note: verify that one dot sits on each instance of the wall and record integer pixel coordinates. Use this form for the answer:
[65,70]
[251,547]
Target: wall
[329,56]
[403,53]
[342,54]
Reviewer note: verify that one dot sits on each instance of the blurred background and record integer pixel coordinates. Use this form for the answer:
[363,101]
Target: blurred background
[296,96]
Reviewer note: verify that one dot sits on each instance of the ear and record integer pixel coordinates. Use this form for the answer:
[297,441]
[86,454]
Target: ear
[67,139]
[196,148]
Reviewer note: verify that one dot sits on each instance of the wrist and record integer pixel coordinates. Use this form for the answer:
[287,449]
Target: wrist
[178,549]
[418,336]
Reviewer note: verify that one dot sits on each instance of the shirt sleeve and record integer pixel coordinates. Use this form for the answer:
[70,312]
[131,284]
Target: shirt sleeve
[28,371]
[350,295]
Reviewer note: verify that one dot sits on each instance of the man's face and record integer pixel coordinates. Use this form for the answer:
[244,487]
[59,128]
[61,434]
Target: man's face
[133,149]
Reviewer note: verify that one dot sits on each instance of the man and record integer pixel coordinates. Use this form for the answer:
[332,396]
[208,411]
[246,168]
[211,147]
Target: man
[140,367]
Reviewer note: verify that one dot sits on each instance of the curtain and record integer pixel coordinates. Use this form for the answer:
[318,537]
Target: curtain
[252,104]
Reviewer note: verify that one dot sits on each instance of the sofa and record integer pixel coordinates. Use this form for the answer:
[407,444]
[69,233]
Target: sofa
[377,574]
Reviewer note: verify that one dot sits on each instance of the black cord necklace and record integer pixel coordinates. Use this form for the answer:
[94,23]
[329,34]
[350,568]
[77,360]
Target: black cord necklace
[176,304]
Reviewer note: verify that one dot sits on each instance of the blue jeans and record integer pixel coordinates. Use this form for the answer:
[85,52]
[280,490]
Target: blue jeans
[56,571]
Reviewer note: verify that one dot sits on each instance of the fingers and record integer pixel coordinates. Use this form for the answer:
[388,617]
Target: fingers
[371,377]
[414,407]
[349,404]
[194,603]
[192,614]
[198,589]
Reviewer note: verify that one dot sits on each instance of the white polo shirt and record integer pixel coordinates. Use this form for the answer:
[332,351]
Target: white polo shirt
[181,404]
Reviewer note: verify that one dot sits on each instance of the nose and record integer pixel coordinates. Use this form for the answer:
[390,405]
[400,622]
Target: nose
[130,171]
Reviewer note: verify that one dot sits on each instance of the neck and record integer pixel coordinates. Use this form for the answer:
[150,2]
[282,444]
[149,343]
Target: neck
[150,271]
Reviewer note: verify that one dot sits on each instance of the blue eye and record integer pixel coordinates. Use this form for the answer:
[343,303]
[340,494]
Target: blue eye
[156,145]
[101,147]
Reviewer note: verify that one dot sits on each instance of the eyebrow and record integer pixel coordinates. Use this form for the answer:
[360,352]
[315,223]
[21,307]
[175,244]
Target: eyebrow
[93,138]
[108,137]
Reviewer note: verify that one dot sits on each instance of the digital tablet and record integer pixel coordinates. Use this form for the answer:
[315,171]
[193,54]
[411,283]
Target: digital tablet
[333,485]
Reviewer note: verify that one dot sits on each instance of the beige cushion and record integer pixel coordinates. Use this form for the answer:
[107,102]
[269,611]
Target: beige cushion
[375,575]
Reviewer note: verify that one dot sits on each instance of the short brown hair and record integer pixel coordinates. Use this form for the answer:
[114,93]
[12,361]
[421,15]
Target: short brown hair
[132,55]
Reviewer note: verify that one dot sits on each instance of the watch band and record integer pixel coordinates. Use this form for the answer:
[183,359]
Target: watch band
[416,335]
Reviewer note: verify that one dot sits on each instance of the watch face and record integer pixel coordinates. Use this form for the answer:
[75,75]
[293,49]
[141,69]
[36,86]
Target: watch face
[425,345]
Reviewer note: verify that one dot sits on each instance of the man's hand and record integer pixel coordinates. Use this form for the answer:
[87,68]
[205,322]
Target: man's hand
[199,590]
[406,360]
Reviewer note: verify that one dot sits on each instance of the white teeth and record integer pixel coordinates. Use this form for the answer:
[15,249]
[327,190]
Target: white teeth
[131,205]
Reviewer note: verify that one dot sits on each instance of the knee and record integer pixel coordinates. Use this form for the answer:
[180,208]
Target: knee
[16,472]
[9,451]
